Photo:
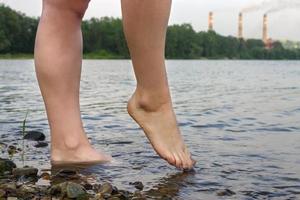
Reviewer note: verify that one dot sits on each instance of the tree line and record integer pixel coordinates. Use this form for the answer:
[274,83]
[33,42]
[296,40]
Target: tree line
[104,38]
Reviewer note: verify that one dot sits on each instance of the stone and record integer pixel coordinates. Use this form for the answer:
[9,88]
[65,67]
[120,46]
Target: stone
[10,188]
[2,193]
[45,176]
[25,171]
[41,144]
[226,192]
[11,150]
[6,166]
[106,188]
[75,190]
[27,189]
[138,185]
[34,135]
[70,190]
[67,173]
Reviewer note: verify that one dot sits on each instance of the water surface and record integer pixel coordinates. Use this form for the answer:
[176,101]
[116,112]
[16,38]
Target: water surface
[240,119]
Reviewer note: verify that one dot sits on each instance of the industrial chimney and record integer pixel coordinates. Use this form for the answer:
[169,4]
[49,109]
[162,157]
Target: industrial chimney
[240,26]
[211,21]
[265,29]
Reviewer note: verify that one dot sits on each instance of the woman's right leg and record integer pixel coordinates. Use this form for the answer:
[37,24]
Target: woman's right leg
[58,55]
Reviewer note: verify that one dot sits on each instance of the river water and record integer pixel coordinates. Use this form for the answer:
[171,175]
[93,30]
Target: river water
[240,119]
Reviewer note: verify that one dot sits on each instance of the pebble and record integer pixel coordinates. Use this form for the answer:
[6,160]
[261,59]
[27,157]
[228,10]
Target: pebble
[106,188]
[2,193]
[45,176]
[9,187]
[25,171]
[74,190]
[6,166]
[35,136]
[11,150]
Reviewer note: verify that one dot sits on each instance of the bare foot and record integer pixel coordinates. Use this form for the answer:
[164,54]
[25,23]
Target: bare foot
[81,154]
[160,127]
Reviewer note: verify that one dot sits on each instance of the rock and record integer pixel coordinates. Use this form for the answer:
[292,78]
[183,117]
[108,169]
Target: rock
[6,166]
[12,198]
[99,196]
[75,190]
[226,192]
[114,198]
[10,188]
[41,144]
[138,185]
[11,150]
[67,173]
[45,176]
[27,189]
[106,188]
[137,195]
[34,135]
[2,193]
[69,189]
[25,171]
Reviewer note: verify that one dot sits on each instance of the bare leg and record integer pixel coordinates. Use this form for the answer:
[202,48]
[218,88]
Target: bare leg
[58,55]
[145,24]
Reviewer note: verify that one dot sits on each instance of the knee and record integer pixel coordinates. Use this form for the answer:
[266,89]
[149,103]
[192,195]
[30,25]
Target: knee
[77,7]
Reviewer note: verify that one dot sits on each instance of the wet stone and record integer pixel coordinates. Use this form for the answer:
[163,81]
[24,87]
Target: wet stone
[41,144]
[2,193]
[6,166]
[45,176]
[35,136]
[11,150]
[106,188]
[226,192]
[138,185]
[9,187]
[25,171]
[27,189]
[66,173]
[75,190]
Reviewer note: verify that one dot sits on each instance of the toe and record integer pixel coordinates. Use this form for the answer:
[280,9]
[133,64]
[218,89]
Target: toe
[185,161]
[178,161]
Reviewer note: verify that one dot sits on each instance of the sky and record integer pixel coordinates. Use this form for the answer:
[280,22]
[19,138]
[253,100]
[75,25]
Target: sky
[283,24]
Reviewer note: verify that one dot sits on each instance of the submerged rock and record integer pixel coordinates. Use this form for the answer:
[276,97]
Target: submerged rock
[6,166]
[226,192]
[41,144]
[35,136]
[138,185]
[25,171]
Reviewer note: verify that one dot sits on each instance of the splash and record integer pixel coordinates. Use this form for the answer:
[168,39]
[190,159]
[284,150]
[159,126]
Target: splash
[272,6]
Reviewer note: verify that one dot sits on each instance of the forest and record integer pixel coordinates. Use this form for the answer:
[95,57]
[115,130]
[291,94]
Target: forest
[104,38]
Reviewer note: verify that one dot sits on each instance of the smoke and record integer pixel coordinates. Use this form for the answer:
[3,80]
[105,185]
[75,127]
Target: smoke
[271,6]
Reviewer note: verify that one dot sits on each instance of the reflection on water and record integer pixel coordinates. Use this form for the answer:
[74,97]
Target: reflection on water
[241,120]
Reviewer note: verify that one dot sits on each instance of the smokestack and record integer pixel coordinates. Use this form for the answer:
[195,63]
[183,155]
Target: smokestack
[211,21]
[240,29]
[265,28]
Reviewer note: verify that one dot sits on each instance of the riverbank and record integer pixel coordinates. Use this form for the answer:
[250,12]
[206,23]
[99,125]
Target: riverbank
[58,183]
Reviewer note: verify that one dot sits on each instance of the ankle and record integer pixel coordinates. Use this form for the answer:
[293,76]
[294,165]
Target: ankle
[152,101]
[69,144]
